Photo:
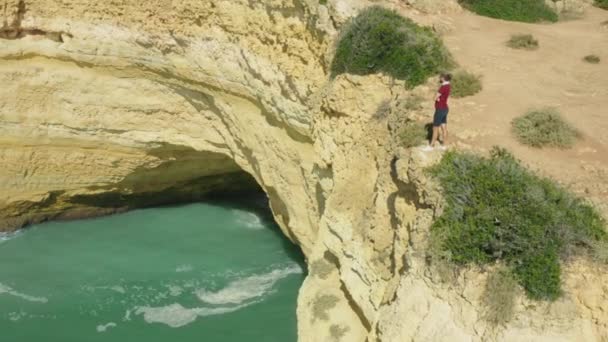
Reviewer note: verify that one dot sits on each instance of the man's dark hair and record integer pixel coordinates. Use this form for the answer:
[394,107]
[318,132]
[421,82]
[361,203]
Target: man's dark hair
[446,76]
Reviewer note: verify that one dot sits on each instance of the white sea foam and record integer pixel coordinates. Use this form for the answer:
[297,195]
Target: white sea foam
[15,316]
[176,316]
[10,291]
[244,289]
[175,290]
[127,316]
[235,296]
[183,268]
[115,288]
[249,219]
[104,327]
[7,236]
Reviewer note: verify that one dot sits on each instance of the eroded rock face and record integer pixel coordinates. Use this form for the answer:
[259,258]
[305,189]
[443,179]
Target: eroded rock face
[103,102]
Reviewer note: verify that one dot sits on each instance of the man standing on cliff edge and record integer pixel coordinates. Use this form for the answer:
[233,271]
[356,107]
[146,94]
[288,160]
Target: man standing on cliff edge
[440,119]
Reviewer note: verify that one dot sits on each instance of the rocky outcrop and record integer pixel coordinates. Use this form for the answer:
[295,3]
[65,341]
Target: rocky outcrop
[106,105]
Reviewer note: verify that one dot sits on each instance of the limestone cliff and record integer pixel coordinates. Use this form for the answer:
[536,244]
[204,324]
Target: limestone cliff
[108,104]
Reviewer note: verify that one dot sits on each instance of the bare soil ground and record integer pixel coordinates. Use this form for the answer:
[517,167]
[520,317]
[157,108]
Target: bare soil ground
[518,80]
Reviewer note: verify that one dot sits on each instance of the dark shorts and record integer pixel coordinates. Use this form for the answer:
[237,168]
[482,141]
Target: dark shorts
[441,117]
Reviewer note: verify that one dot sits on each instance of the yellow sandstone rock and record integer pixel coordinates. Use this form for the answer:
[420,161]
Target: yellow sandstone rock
[104,105]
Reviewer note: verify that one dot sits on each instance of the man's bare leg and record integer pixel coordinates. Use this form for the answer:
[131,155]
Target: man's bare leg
[435,136]
[444,131]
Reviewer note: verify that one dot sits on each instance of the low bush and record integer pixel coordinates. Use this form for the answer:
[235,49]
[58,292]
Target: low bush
[528,11]
[413,134]
[380,40]
[465,84]
[523,42]
[497,210]
[601,4]
[593,59]
[544,128]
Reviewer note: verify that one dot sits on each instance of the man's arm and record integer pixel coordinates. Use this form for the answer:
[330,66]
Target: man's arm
[440,92]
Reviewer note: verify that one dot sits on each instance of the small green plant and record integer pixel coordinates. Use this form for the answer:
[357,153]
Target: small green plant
[499,296]
[528,11]
[413,134]
[544,128]
[380,40]
[465,84]
[321,305]
[523,42]
[322,2]
[497,210]
[601,4]
[592,59]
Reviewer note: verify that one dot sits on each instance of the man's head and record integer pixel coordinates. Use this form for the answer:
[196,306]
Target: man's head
[445,77]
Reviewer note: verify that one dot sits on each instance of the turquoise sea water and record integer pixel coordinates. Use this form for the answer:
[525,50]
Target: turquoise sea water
[201,272]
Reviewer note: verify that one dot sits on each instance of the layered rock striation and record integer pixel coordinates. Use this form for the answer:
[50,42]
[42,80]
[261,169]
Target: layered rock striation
[110,105]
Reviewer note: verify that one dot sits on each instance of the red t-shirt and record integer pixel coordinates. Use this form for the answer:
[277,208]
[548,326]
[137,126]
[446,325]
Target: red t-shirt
[442,103]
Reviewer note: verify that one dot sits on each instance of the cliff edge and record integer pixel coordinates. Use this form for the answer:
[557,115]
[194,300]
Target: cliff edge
[108,105]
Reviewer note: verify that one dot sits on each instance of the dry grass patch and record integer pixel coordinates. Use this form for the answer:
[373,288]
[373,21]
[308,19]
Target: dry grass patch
[544,128]
[523,42]
[499,297]
[592,59]
[321,305]
[413,134]
[337,331]
[321,268]
[465,84]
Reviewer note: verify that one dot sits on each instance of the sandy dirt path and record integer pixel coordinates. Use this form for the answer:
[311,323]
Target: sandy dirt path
[517,80]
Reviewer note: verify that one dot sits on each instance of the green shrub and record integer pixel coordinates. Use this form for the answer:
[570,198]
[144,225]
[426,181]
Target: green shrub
[544,127]
[528,11]
[593,59]
[523,42]
[499,297]
[497,210]
[413,134]
[380,40]
[601,4]
[465,84]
